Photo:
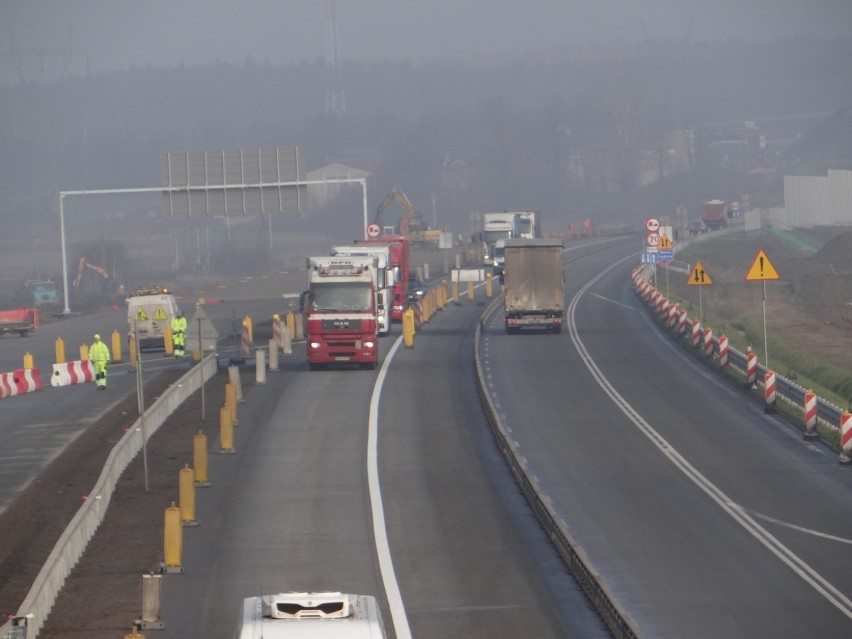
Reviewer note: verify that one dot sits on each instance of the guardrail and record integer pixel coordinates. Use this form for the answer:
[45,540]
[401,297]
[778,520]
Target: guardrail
[828,414]
[40,599]
[618,622]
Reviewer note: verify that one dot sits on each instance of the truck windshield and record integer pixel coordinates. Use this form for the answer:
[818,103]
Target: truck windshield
[342,296]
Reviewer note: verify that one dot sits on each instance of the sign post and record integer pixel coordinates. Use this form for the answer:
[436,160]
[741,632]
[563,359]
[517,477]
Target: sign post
[761,269]
[699,277]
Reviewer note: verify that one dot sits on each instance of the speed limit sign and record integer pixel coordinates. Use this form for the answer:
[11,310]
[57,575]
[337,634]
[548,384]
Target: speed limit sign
[373,230]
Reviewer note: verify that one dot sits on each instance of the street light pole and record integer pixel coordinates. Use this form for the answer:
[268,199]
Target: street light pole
[140,397]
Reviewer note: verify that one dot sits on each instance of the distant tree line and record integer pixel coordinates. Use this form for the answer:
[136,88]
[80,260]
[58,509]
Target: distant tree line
[468,138]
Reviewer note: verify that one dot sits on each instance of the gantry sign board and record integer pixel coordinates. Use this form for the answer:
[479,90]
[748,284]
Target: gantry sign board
[203,174]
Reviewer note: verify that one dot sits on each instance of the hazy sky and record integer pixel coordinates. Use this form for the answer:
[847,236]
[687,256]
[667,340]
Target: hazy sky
[115,34]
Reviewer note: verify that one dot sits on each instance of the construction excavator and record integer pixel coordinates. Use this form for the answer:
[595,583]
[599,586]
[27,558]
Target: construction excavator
[411,226]
[107,282]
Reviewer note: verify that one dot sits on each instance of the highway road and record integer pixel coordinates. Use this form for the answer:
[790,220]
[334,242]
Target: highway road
[704,516]
[384,483]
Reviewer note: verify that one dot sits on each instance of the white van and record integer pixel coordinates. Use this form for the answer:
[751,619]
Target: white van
[149,311]
[311,615]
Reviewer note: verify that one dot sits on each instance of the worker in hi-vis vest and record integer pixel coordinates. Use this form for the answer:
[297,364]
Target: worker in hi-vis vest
[179,333]
[99,356]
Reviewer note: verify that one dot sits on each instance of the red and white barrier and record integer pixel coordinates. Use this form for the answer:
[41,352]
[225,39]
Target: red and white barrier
[708,342]
[681,322]
[77,372]
[19,381]
[845,437]
[244,342]
[8,386]
[751,368]
[276,332]
[810,415]
[696,332]
[723,351]
[769,391]
[673,313]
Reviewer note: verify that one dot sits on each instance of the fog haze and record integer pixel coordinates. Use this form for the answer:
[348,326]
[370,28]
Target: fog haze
[108,35]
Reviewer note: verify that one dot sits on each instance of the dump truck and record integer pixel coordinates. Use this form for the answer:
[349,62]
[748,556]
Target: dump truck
[533,285]
[22,321]
[714,214]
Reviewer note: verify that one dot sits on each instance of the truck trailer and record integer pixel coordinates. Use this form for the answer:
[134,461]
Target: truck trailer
[533,285]
[383,279]
[399,260]
[22,321]
[714,214]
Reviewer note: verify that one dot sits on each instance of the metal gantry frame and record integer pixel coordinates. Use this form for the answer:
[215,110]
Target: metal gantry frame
[187,189]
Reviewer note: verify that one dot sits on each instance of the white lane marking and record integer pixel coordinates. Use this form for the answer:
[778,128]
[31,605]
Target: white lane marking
[397,608]
[802,529]
[612,301]
[796,563]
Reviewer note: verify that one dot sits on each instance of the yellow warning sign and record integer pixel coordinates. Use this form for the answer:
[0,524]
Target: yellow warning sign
[698,276]
[762,269]
[160,314]
[141,315]
[665,243]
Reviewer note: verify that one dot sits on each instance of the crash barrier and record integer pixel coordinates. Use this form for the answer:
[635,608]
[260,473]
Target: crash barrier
[828,415]
[81,529]
[19,381]
[78,371]
[619,623]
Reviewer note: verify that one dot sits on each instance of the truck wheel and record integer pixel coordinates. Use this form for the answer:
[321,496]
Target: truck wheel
[24,333]
[314,366]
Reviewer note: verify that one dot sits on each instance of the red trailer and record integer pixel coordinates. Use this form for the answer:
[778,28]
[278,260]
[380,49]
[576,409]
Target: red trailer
[399,262]
[22,321]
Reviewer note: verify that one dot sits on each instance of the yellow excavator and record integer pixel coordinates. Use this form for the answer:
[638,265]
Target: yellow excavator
[412,225]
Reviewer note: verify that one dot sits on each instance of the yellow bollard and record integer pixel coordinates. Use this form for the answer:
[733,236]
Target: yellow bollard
[455,292]
[186,495]
[470,291]
[172,540]
[231,401]
[84,352]
[226,430]
[60,350]
[408,328]
[28,361]
[199,459]
[116,346]
[134,634]
[131,347]
[489,291]
[248,324]
[168,341]
[291,325]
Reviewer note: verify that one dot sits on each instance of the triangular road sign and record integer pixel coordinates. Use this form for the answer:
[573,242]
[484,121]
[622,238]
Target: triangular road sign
[209,334]
[698,276]
[160,314]
[762,269]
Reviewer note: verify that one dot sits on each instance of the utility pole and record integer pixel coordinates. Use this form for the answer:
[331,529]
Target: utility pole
[335,101]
